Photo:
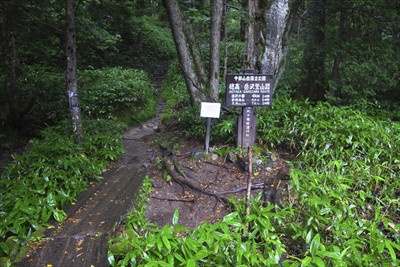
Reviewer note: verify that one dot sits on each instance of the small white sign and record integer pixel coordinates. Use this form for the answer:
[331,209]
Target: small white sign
[210,110]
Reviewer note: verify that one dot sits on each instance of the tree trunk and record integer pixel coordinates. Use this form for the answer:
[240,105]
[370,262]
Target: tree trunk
[250,57]
[216,22]
[334,89]
[72,85]
[187,51]
[9,52]
[313,85]
[276,21]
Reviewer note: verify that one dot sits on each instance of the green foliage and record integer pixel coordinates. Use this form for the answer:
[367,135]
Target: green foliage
[116,92]
[53,171]
[46,84]
[155,40]
[225,243]
[346,180]
[173,90]
[344,209]
[235,55]
[125,93]
[178,109]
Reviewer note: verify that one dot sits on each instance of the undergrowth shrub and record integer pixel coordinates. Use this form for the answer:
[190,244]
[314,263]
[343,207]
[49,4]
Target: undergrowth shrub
[346,181]
[225,243]
[343,208]
[180,112]
[50,174]
[109,92]
[178,109]
[116,92]
[44,85]
[155,42]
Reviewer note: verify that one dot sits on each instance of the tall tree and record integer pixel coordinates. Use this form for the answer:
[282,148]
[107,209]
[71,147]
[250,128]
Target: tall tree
[250,57]
[9,55]
[15,111]
[200,87]
[278,22]
[72,85]
[216,23]
[313,85]
[187,51]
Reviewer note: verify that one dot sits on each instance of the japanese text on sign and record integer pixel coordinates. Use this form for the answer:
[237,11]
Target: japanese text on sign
[248,90]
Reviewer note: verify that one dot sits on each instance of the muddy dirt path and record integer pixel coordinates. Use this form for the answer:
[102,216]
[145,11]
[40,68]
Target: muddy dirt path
[81,240]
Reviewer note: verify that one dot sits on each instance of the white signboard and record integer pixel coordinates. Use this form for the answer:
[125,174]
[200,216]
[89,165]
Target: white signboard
[210,110]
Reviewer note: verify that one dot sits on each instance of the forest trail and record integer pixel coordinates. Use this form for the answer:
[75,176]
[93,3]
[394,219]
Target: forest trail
[81,240]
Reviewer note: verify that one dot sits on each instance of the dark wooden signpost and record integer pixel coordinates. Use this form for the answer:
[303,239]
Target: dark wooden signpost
[247,91]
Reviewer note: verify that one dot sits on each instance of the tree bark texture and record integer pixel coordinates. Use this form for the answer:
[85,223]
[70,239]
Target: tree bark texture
[216,22]
[313,85]
[334,89]
[71,80]
[272,64]
[276,18]
[187,51]
[250,36]
[9,53]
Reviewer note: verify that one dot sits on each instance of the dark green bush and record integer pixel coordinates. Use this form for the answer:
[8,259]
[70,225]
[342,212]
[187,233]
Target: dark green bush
[148,43]
[104,93]
[47,85]
[114,92]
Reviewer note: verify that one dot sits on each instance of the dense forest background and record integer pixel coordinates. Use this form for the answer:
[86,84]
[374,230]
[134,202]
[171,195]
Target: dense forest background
[336,107]
[341,52]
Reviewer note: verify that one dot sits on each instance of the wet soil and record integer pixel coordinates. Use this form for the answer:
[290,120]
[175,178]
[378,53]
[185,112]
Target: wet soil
[215,177]
[81,240]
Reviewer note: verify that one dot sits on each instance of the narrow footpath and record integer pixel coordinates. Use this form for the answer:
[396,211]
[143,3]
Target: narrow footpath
[81,240]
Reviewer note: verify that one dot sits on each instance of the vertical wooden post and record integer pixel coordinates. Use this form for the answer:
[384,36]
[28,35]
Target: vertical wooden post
[249,180]
[208,133]
[247,123]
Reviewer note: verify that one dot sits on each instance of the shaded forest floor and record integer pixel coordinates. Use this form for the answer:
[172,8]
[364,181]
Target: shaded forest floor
[199,185]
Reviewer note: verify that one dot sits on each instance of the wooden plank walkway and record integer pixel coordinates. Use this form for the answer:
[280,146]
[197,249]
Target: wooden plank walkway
[81,240]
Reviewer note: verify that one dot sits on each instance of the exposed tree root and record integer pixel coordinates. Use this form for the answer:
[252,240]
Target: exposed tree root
[180,177]
[175,199]
[192,184]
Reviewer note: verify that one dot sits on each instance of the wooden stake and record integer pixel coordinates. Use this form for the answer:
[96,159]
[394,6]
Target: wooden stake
[249,178]
[208,133]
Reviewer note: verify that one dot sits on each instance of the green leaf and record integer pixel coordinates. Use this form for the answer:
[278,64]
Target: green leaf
[308,237]
[58,215]
[179,257]
[201,254]
[166,243]
[318,261]
[4,248]
[329,254]
[306,261]
[175,217]
[315,244]
[191,263]
[392,253]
